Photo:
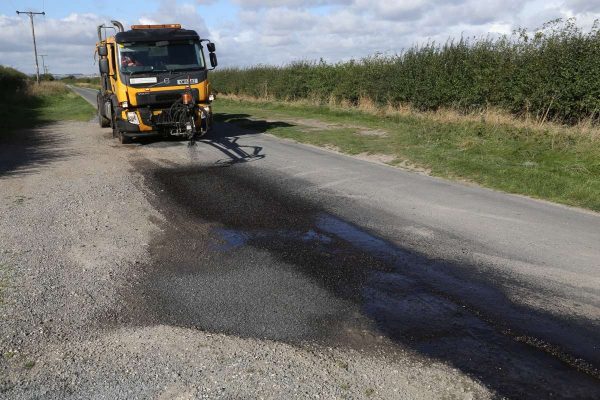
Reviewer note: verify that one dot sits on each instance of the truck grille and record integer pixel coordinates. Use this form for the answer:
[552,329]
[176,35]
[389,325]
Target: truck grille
[163,98]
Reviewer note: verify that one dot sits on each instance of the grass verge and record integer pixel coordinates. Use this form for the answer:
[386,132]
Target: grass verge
[43,103]
[548,162]
[88,85]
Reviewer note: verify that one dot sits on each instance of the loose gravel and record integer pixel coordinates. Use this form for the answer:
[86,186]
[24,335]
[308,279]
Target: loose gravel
[75,228]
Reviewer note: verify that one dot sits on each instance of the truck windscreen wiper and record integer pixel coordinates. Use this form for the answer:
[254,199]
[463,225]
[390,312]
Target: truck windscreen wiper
[140,72]
[196,68]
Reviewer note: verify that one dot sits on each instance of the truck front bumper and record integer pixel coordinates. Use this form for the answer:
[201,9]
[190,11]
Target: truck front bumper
[151,123]
[128,127]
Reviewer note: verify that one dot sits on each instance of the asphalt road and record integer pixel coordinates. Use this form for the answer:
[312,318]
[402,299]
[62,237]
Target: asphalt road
[269,239]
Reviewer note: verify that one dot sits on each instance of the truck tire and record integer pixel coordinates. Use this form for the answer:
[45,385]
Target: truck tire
[117,133]
[103,121]
[124,139]
[113,125]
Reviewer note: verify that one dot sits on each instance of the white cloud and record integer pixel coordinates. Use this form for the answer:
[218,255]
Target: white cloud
[174,12]
[282,31]
[358,28]
[68,42]
[287,3]
[396,10]
[582,6]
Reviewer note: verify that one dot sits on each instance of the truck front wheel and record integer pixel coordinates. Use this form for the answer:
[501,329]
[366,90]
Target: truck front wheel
[117,133]
[103,121]
[124,139]
[113,124]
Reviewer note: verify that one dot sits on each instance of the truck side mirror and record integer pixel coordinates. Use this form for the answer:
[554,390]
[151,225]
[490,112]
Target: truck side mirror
[213,60]
[211,47]
[102,51]
[103,64]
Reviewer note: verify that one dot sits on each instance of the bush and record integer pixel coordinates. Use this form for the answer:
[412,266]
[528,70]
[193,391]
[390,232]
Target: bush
[12,83]
[87,80]
[47,88]
[552,73]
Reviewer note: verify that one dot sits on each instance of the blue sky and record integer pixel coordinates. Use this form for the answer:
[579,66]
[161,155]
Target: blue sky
[126,10]
[249,32]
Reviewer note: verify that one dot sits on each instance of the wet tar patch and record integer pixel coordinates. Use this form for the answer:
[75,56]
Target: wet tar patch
[255,253]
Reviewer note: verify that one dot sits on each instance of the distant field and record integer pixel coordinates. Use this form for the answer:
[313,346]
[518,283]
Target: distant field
[549,75]
[91,83]
[552,162]
[23,103]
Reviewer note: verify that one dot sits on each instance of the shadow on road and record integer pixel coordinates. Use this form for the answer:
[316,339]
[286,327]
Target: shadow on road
[225,135]
[227,131]
[245,125]
[24,151]
[230,127]
[236,153]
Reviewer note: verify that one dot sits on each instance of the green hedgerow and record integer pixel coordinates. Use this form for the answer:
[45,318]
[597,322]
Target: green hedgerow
[552,73]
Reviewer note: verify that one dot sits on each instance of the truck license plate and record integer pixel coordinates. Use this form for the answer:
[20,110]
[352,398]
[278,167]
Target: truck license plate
[186,81]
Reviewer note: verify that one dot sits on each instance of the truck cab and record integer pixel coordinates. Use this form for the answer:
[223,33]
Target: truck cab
[154,81]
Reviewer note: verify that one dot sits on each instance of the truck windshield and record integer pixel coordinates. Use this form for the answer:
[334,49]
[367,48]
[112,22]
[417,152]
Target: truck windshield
[160,56]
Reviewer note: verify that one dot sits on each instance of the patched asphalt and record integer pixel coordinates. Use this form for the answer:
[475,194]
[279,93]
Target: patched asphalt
[258,254]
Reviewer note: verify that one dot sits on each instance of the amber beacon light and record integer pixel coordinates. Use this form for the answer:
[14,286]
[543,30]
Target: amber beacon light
[164,26]
[187,98]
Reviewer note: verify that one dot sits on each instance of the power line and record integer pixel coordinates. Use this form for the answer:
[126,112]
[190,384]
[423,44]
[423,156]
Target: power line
[31,14]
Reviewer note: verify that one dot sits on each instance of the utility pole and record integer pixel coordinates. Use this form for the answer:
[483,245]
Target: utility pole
[31,14]
[44,63]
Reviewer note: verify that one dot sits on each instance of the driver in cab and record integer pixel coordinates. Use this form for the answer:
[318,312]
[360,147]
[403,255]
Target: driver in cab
[128,60]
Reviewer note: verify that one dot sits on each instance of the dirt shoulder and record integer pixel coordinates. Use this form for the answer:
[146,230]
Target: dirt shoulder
[74,232]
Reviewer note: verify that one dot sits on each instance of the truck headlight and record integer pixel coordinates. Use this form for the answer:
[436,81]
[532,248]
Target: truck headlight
[133,118]
[211,97]
[124,104]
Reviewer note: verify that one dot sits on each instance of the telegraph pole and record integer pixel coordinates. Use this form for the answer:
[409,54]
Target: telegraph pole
[44,63]
[31,14]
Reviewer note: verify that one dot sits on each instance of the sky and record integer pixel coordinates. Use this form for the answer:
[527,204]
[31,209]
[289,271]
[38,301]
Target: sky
[250,32]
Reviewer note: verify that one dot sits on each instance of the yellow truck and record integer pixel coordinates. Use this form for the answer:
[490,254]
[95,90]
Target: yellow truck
[154,81]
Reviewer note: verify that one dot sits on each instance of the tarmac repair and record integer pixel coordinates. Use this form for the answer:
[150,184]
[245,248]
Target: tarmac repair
[257,254]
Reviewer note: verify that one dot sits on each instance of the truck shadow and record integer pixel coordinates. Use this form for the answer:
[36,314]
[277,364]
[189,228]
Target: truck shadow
[229,128]
[242,124]
[235,152]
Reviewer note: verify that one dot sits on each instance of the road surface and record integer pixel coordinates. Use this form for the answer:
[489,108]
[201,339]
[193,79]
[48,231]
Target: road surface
[265,239]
